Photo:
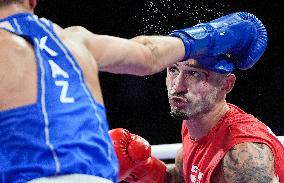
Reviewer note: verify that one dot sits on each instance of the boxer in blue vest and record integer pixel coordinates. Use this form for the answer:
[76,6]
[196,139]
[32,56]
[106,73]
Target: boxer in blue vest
[53,126]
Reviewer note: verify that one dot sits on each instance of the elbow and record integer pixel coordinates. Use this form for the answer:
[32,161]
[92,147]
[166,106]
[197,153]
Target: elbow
[151,63]
[148,66]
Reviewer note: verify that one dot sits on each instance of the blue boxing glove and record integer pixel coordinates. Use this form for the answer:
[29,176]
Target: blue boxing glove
[236,40]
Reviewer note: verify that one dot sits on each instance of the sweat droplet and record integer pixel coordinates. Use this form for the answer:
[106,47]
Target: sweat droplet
[162,16]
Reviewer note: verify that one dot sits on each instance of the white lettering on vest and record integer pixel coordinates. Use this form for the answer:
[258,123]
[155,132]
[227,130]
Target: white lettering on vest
[43,46]
[63,96]
[56,71]
[196,174]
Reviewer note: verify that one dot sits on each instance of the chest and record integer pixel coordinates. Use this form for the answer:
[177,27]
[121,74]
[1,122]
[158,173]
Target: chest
[199,164]
[200,160]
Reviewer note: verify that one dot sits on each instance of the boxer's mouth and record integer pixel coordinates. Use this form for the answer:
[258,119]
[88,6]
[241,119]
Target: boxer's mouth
[178,101]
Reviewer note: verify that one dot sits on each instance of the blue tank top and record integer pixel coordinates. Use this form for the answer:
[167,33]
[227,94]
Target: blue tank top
[66,130]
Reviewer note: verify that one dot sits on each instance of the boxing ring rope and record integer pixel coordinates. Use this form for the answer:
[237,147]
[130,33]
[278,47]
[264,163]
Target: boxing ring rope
[168,151]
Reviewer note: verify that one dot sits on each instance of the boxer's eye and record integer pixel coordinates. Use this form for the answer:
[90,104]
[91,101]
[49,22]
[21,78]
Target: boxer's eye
[173,70]
[193,73]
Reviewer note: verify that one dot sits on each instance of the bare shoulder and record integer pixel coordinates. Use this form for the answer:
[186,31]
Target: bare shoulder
[13,48]
[249,162]
[12,41]
[75,38]
[175,171]
[88,38]
[76,30]
[78,33]
[17,71]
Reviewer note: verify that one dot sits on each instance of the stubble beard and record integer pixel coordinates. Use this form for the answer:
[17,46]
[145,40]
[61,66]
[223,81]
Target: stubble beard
[190,112]
[179,114]
[195,109]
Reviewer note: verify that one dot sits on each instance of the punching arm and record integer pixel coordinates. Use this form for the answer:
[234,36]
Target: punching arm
[141,55]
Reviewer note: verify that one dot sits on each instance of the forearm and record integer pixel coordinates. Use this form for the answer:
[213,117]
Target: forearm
[173,175]
[163,50]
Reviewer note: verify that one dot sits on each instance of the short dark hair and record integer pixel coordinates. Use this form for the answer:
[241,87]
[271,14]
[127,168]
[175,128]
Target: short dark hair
[7,2]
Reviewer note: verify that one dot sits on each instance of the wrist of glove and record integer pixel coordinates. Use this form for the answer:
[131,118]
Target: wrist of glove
[153,171]
[136,164]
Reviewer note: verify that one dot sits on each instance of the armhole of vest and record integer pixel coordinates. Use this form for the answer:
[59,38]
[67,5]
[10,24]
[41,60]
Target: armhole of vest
[51,25]
[8,30]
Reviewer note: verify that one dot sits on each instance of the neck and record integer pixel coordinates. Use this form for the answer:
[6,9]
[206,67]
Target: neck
[13,9]
[200,126]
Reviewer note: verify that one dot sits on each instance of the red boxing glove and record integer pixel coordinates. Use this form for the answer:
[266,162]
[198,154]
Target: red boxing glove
[135,161]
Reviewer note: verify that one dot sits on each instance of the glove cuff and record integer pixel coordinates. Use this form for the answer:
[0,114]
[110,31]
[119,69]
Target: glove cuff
[159,170]
[186,42]
[153,171]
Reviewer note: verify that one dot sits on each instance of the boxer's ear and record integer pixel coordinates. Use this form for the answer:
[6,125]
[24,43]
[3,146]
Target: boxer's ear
[33,4]
[229,83]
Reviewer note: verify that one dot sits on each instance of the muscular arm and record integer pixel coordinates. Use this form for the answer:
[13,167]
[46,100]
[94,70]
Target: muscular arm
[248,163]
[141,55]
[175,171]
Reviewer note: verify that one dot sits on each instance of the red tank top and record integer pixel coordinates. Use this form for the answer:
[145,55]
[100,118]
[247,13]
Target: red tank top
[201,157]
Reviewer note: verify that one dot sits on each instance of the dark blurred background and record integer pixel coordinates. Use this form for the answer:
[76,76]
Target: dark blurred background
[140,104]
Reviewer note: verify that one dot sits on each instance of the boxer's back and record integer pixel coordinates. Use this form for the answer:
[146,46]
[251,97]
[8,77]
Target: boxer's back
[50,122]
[18,70]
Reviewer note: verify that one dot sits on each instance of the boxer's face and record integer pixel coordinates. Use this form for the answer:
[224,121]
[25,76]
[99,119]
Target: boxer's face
[192,91]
